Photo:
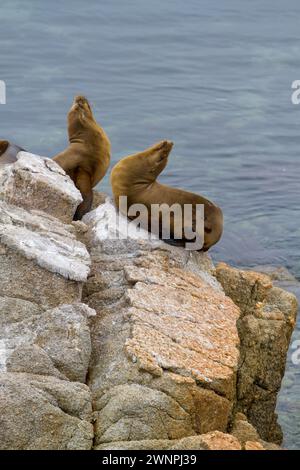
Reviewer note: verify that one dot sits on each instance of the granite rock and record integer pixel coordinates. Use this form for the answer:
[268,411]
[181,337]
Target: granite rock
[268,316]
[44,413]
[165,345]
[39,183]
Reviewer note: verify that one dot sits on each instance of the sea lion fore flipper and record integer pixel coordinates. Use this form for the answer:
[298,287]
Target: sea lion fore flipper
[83,183]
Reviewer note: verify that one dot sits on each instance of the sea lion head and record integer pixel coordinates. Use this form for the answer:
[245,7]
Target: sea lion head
[155,159]
[80,118]
[213,226]
[4,144]
[140,168]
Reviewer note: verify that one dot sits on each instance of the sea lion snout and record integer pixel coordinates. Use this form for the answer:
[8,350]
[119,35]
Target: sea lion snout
[160,151]
[213,226]
[165,147]
[80,102]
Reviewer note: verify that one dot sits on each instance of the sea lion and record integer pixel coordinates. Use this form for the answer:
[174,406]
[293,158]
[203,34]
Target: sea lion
[87,158]
[135,177]
[8,152]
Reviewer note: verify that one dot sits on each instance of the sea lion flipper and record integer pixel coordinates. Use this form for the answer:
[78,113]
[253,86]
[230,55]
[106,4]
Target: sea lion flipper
[83,183]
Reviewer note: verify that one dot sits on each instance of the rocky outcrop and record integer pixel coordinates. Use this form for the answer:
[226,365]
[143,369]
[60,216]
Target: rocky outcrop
[268,316]
[38,183]
[167,345]
[45,343]
[215,440]
[110,340]
[39,412]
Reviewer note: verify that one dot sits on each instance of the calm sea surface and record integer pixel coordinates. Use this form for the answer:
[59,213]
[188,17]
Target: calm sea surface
[213,76]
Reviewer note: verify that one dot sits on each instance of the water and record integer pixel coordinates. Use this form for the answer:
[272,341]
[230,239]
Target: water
[213,76]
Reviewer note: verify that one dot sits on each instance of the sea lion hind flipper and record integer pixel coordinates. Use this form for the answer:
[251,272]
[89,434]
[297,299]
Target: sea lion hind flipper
[84,184]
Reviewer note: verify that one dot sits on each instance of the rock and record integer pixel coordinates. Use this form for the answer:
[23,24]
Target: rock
[17,318]
[246,288]
[18,276]
[38,183]
[265,327]
[98,199]
[276,273]
[165,341]
[64,334]
[131,411]
[146,444]
[249,445]
[244,431]
[80,230]
[211,441]
[44,240]
[220,441]
[33,360]
[270,445]
[62,341]
[168,356]
[44,413]
[240,417]
[41,266]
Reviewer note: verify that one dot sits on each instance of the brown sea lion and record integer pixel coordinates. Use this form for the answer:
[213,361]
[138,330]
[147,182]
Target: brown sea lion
[8,152]
[135,177]
[87,158]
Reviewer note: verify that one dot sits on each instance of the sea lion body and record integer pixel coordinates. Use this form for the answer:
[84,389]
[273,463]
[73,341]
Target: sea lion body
[8,152]
[135,177]
[87,158]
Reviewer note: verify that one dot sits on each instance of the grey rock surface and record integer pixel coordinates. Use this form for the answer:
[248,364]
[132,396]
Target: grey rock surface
[44,240]
[35,182]
[45,413]
[32,359]
[64,334]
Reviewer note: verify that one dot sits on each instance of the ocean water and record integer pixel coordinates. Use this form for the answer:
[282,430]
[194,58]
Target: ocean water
[213,76]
